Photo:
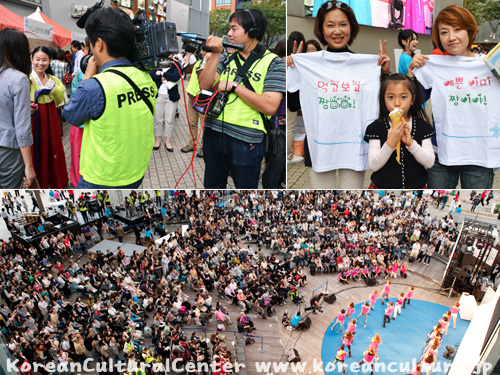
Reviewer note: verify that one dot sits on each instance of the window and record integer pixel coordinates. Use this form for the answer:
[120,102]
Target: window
[222,2]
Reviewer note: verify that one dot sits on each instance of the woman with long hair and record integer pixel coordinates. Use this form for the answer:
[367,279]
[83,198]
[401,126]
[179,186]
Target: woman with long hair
[48,153]
[15,117]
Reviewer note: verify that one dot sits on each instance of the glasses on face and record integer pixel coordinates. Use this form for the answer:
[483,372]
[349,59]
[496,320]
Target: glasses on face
[330,4]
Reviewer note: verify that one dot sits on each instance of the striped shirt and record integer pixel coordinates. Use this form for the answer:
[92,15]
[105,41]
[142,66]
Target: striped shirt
[58,68]
[275,81]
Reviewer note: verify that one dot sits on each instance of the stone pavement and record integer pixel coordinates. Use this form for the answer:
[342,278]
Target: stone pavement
[298,177]
[165,168]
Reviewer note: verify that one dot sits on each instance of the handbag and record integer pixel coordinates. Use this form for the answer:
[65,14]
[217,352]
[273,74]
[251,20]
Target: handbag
[212,103]
[64,101]
[205,102]
[67,78]
[274,141]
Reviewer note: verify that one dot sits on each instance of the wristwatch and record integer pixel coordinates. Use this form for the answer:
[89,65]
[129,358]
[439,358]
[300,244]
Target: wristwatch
[235,84]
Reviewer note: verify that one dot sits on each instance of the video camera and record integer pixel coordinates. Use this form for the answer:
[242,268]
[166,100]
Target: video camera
[154,42]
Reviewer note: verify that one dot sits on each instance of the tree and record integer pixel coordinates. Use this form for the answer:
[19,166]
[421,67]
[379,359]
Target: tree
[219,21]
[475,7]
[275,11]
[483,10]
[491,10]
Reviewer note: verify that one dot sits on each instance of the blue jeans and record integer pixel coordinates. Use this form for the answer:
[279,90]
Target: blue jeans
[471,177]
[224,154]
[82,184]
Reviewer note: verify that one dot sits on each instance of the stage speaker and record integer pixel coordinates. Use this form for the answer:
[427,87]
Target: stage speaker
[330,299]
[448,354]
[307,323]
[463,272]
[468,259]
[371,281]
[293,356]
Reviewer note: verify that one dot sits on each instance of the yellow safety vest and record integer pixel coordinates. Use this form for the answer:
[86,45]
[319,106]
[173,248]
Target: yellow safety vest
[193,86]
[117,147]
[236,111]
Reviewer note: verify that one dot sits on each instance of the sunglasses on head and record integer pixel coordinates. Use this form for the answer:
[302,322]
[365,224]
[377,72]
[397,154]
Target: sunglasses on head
[330,4]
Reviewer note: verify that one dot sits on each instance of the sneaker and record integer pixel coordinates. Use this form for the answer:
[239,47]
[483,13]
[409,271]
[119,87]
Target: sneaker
[187,148]
[295,159]
[199,154]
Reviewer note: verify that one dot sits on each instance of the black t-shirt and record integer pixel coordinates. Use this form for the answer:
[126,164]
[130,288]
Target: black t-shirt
[410,174]
[315,299]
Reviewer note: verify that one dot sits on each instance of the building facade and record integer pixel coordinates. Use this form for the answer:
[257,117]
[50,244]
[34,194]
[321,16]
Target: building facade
[229,4]
[22,8]
[189,15]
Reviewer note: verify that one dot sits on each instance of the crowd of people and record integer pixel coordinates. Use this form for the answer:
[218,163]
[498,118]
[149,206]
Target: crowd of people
[106,304]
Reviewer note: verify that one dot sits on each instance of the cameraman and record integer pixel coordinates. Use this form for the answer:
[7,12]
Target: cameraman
[118,137]
[233,142]
[315,305]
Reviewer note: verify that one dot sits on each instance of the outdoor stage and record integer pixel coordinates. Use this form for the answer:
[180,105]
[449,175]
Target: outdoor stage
[128,248]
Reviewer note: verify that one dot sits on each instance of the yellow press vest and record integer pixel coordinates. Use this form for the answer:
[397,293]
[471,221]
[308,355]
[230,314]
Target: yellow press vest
[193,86]
[117,147]
[236,111]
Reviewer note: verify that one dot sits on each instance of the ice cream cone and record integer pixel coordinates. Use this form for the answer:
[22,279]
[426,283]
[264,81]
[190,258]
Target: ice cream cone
[396,117]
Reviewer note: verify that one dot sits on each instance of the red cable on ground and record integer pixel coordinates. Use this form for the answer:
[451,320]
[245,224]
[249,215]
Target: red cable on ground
[199,135]
[190,131]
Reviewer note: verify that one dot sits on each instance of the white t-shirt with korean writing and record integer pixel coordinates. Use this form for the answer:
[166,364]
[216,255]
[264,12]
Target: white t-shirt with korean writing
[339,99]
[466,107]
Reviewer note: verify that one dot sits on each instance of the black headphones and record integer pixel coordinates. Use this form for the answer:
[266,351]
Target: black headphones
[254,31]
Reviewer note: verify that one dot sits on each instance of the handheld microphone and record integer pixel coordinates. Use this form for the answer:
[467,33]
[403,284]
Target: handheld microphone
[240,47]
[83,19]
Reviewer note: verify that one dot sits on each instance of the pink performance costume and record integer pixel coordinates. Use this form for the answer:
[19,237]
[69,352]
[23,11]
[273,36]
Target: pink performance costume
[373,300]
[364,311]
[340,320]
[408,298]
[415,16]
[385,293]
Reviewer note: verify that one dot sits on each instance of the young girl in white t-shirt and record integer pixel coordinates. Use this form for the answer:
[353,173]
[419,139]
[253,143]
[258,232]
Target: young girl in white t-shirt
[400,149]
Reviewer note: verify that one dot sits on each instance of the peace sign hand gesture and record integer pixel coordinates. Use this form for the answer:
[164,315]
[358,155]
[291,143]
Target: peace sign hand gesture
[289,59]
[384,61]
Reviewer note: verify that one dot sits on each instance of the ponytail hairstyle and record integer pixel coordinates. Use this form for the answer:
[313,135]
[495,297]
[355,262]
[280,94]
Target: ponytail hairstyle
[416,110]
